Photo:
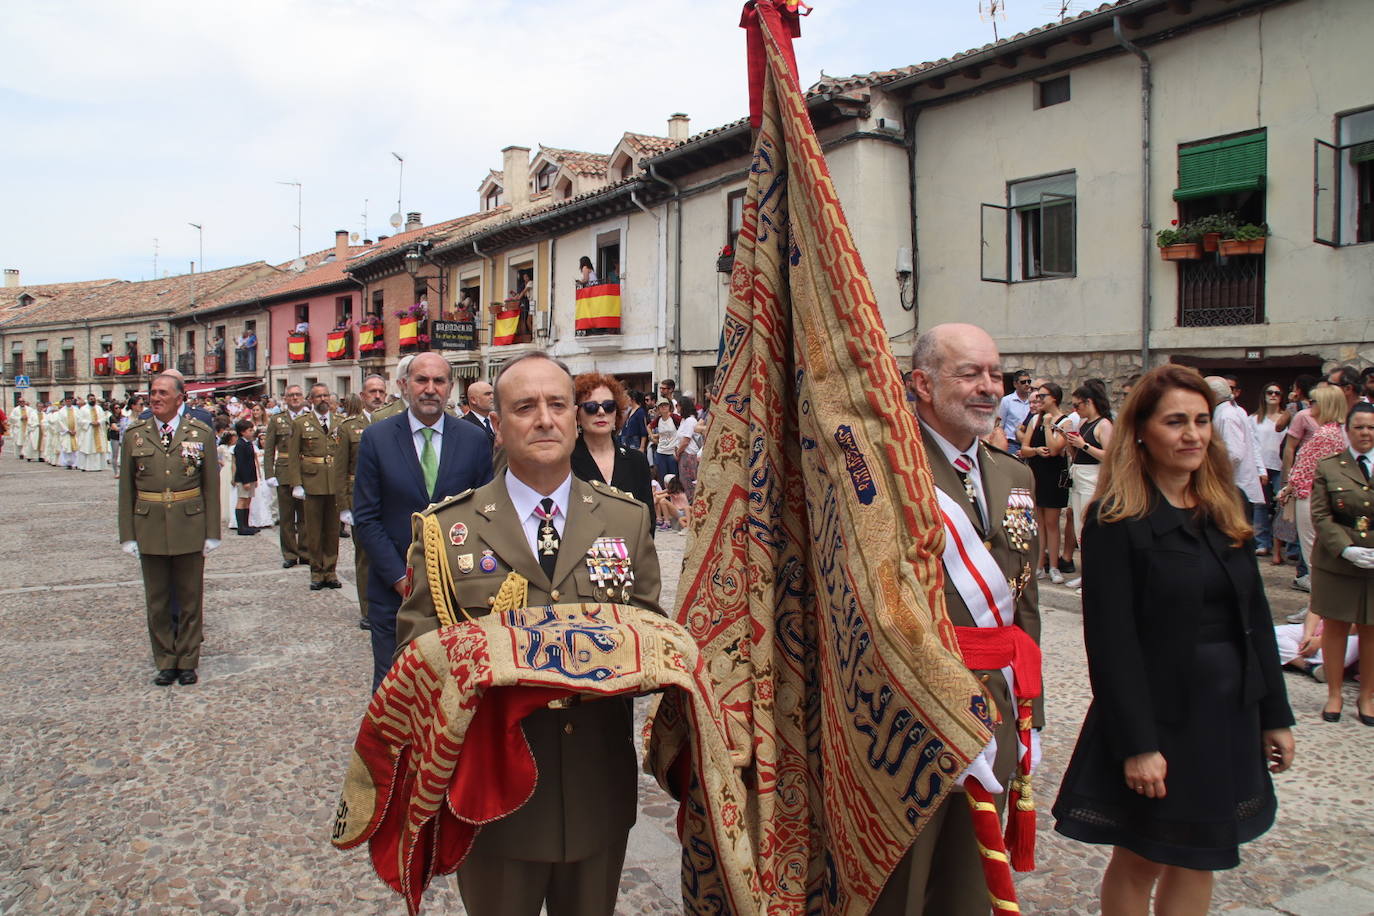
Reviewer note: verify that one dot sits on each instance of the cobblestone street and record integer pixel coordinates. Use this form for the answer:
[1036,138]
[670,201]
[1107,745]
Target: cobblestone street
[123,797]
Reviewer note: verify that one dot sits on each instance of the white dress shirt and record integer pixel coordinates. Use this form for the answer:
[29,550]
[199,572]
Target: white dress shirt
[526,500]
[418,440]
[1236,429]
[175,423]
[950,453]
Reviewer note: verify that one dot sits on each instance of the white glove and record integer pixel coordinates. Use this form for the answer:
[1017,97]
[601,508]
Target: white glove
[271,482]
[1363,557]
[130,547]
[210,544]
[298,492]
[1035,750]
[346,517]
[980,768]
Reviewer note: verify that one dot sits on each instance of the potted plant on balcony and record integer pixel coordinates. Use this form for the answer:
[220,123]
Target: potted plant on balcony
[1246,239]
[1179,244]
[725,261]
[1212,228]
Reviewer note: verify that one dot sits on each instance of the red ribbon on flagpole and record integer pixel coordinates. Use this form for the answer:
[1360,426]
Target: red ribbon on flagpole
[784,22]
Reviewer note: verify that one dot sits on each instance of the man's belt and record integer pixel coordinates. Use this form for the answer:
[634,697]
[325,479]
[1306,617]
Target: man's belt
[327,459]
[282,456]
[168,496]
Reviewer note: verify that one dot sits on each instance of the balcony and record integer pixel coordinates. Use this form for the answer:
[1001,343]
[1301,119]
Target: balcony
[41,369]
[186,364]
[510,323]
[1221,292]
[339,345]
[298,348]
[246,360]
[17,367]
[65,369]
[214,363]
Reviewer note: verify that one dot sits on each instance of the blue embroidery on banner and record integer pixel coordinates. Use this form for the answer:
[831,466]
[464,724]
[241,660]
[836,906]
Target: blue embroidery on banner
[856,465]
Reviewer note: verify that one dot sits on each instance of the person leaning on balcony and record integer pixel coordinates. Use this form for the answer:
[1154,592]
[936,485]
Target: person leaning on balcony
[586,273]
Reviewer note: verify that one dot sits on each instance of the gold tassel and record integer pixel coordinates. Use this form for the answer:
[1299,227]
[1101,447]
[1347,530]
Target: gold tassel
[513,594]
[443,590]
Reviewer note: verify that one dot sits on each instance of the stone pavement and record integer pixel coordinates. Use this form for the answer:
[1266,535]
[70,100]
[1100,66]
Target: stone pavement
[121,797]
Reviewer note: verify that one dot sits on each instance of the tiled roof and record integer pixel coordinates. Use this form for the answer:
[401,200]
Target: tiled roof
[831,85]
[437,233]
[593,165]
[125,299]
[648,144]
[12,301]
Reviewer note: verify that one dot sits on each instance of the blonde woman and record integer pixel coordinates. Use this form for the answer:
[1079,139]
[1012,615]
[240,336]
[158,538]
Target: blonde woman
[1328,412]
[1189,713]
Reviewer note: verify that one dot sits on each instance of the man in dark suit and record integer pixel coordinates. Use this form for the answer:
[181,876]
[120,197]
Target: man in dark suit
[480,402]
[956,378]
[406,462]
[565,846]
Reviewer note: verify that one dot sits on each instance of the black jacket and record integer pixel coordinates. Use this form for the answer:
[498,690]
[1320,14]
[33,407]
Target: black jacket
[1141,609]
[245,462]
[631,472]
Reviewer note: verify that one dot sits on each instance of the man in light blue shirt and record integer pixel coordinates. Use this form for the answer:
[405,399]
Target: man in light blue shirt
[1014,408]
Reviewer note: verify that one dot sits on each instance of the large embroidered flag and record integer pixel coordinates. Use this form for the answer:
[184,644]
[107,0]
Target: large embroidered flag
[598,308]
[812,579]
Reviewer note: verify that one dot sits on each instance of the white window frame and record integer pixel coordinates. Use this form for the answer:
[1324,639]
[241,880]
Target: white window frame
[1004,226]
[1335,213]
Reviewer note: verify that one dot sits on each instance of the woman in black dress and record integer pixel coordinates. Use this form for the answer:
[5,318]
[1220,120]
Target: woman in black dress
[1042,447]
[596,455]
[1189,713]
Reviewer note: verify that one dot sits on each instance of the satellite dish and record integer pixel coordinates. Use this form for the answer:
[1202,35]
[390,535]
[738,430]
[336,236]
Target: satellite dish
[353,237]
[298,265]
[396,220]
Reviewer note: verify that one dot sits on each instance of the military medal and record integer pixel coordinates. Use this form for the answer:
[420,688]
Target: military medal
[1362,523]
[457,536]
[1019,518]
[465,563]
[488,562]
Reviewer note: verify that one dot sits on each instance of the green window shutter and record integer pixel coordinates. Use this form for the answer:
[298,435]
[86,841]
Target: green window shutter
[1362,152]
[1223,167]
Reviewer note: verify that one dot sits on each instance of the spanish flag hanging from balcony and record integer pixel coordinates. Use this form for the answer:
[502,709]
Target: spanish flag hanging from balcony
[338,344]
[124,365]
[408,332]
[598,308]
[367,337]
[507,324]
[295,348]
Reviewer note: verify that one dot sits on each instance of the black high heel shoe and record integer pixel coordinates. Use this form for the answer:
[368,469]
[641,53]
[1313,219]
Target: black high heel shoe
[1336,717]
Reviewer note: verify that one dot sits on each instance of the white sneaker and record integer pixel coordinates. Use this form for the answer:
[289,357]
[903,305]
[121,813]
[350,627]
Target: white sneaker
[1075,582]
[1297,616]
[1040,573]
[1303,583]
[1056,577]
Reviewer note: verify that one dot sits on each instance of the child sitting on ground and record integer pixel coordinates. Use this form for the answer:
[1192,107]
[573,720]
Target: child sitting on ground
[670,504]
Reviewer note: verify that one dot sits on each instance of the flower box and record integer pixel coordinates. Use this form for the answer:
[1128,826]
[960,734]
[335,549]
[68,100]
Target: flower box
[1184,251]
[1230,247]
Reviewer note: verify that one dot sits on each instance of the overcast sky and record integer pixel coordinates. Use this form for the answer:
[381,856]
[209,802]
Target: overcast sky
[128,119]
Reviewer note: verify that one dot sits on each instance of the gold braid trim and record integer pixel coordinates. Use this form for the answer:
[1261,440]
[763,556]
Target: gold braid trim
[437,571]
[512,595]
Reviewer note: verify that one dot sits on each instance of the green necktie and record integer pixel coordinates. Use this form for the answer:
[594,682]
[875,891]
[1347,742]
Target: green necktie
[429,462]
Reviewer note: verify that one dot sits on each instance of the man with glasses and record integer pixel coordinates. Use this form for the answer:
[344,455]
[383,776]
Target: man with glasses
[1348,380]
[1014,408]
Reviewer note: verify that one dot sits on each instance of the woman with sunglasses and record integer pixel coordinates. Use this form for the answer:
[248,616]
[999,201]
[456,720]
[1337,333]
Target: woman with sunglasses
[597,456]
[1270,421]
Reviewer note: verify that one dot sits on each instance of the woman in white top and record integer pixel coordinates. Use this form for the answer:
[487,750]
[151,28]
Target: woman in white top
[663,426]
[587,273]
[1270,421]
[688,451]
[262,511]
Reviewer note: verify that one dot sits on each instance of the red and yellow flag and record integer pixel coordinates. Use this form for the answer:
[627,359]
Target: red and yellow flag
[598,308]
[123,365]
[506,324]
[338,345]
[812,581]
[367,337]
[408,331]
[295,348]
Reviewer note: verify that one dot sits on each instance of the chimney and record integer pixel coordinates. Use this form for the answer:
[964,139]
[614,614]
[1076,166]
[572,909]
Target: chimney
[413,221]
[515,176]
[341,245]
[11,277]
[677,126]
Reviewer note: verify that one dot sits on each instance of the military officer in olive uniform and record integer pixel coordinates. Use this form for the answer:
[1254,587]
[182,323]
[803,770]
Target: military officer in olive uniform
[566,845]
[169,518]
[276,458]
[314,449]
[956,379]
[1342,503]
[351,429]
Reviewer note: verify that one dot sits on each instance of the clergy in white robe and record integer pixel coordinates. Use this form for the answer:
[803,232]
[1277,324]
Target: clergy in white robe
[67,417]
[92,436]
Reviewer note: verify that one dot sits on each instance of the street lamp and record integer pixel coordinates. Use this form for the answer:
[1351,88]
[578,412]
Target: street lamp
[200,233]
[413,259]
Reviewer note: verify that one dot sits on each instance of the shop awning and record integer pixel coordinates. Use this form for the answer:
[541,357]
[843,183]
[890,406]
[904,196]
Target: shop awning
[1224,167]
[237,386]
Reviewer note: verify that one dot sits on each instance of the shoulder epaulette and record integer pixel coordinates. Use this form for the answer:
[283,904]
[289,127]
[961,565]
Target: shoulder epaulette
[606,489]
[999,451]
[192,421]
[450,501]
[135,424]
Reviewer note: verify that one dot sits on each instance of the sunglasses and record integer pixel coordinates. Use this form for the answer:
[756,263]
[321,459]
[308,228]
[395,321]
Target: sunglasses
[592,408]
[1274,391]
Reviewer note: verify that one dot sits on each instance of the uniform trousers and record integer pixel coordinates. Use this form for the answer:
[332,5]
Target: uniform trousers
[498,886]
[942,872]
[180,578]
[320,536]
[290,519]
[360,568]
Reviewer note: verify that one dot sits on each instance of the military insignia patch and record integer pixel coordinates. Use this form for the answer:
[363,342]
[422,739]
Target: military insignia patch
[465,563]
[458,535]
[488,562]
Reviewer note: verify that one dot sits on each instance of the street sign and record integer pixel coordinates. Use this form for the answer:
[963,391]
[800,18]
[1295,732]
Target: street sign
[21,381]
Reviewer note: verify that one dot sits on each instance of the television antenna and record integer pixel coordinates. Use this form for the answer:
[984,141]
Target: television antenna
[297,227]
[1062,8]
[397,218]
[991,11]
